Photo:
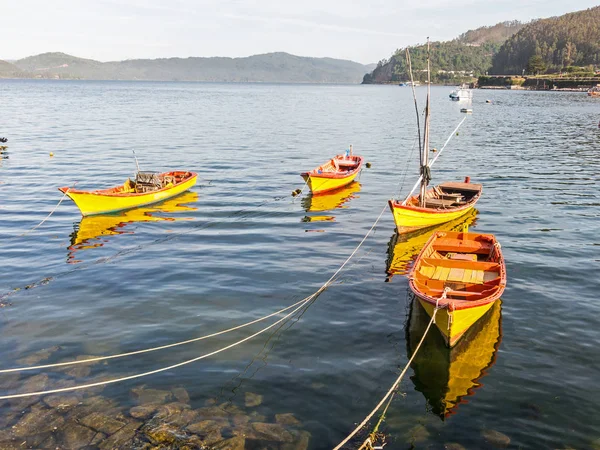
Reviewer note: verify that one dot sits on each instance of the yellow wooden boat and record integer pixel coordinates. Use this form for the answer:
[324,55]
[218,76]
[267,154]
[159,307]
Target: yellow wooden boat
[443,203]
[461,273]
[334,174]
[404,248]
[447,376]
[437,204]
[147,188]
[91,230]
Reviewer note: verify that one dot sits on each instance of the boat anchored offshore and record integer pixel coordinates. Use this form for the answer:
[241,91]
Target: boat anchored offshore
[148,188]
[438,204]
[463,274]
[461,93]
[594,92]
[338,172]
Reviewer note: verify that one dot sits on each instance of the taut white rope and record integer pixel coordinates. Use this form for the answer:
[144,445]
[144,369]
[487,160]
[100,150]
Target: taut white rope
[153,349]
[392,389]
[51,212]
[434,160]
[301,304]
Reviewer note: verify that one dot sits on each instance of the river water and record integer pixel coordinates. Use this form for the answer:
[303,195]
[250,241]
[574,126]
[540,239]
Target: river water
[239,247]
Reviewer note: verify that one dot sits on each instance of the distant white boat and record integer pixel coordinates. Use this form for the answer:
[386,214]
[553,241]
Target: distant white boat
[461,93]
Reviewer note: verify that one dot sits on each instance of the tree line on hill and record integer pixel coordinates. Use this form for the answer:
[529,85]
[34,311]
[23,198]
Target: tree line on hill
[568,43]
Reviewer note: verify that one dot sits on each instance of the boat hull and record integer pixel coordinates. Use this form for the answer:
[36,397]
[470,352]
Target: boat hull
[409,217]
[453,324]
[462,274]
[334,174]
[321,185]
[95,202]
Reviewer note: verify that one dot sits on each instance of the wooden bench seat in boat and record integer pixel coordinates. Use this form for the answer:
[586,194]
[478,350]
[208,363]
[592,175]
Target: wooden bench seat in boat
[459,270]
[460,246]
[460,187]
[438,203]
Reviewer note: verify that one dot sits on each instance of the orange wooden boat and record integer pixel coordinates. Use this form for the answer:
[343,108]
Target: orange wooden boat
[464,274]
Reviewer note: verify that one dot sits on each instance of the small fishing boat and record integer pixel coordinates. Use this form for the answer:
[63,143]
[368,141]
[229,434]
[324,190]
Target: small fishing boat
[466,110]
[338,172]
[594,92]
[461,93]
[148,188]
[463,274]
[448,376]
[438,204]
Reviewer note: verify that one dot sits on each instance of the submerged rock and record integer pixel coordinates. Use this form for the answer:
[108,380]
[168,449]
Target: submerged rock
[143,395]
[37,421]
[98,421]
[181,394]
[61,402]
[252,399]
[301,441]
[75,435]
[495,438]
[417,434]
[256,417]
[286,419]
[234,443]
[122,438]
[453,446]
[210,412]
[36,357]
[272,432]
[143,411]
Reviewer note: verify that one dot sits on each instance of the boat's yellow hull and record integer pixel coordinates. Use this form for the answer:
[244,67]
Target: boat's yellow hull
[453,324]
[90,203]
[319,185]
[409,219]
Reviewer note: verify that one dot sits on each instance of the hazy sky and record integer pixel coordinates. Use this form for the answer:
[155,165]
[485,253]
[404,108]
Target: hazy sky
[363,31]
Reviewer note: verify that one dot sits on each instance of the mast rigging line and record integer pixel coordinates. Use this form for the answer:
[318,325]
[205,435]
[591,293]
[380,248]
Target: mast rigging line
[394,385]
[301,304]
[434,159]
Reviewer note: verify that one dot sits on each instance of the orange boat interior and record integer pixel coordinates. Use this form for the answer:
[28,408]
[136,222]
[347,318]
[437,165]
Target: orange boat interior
[145,182]
[468,266]
[339,165]
[448,195]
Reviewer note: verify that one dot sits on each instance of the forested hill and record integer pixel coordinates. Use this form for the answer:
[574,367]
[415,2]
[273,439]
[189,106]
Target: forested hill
[270,67]
[467,56]
[569,40]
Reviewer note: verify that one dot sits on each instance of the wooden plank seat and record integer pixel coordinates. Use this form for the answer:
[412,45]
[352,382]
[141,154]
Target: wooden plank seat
[462,246]
[456,186]
[438,203]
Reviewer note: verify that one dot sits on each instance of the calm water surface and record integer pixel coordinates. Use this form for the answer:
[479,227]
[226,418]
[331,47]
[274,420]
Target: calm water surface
[237,248]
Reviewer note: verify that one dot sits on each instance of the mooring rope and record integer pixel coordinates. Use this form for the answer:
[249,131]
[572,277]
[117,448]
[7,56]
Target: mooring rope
[51,212]
[153,349]
[394,385]
[301,304]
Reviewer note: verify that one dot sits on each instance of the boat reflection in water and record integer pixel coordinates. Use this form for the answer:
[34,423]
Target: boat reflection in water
[446,376]
[328,201]
[404,248]
[90,230]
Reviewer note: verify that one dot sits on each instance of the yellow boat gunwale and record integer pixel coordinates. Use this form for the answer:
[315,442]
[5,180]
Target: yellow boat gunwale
[320,183]
[97,202]
[416,217]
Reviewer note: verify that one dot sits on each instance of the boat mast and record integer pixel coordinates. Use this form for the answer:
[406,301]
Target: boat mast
[425,173]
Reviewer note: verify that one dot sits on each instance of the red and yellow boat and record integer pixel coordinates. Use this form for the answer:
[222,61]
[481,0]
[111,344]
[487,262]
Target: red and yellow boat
[338,172]
[463,274]
[148,188]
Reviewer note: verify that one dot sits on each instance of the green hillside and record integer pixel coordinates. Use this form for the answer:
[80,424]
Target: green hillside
[555,43]
[270,67]
[8,70]
[463,58]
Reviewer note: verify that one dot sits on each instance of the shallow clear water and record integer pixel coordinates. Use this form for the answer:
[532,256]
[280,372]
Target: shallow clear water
[242,248]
